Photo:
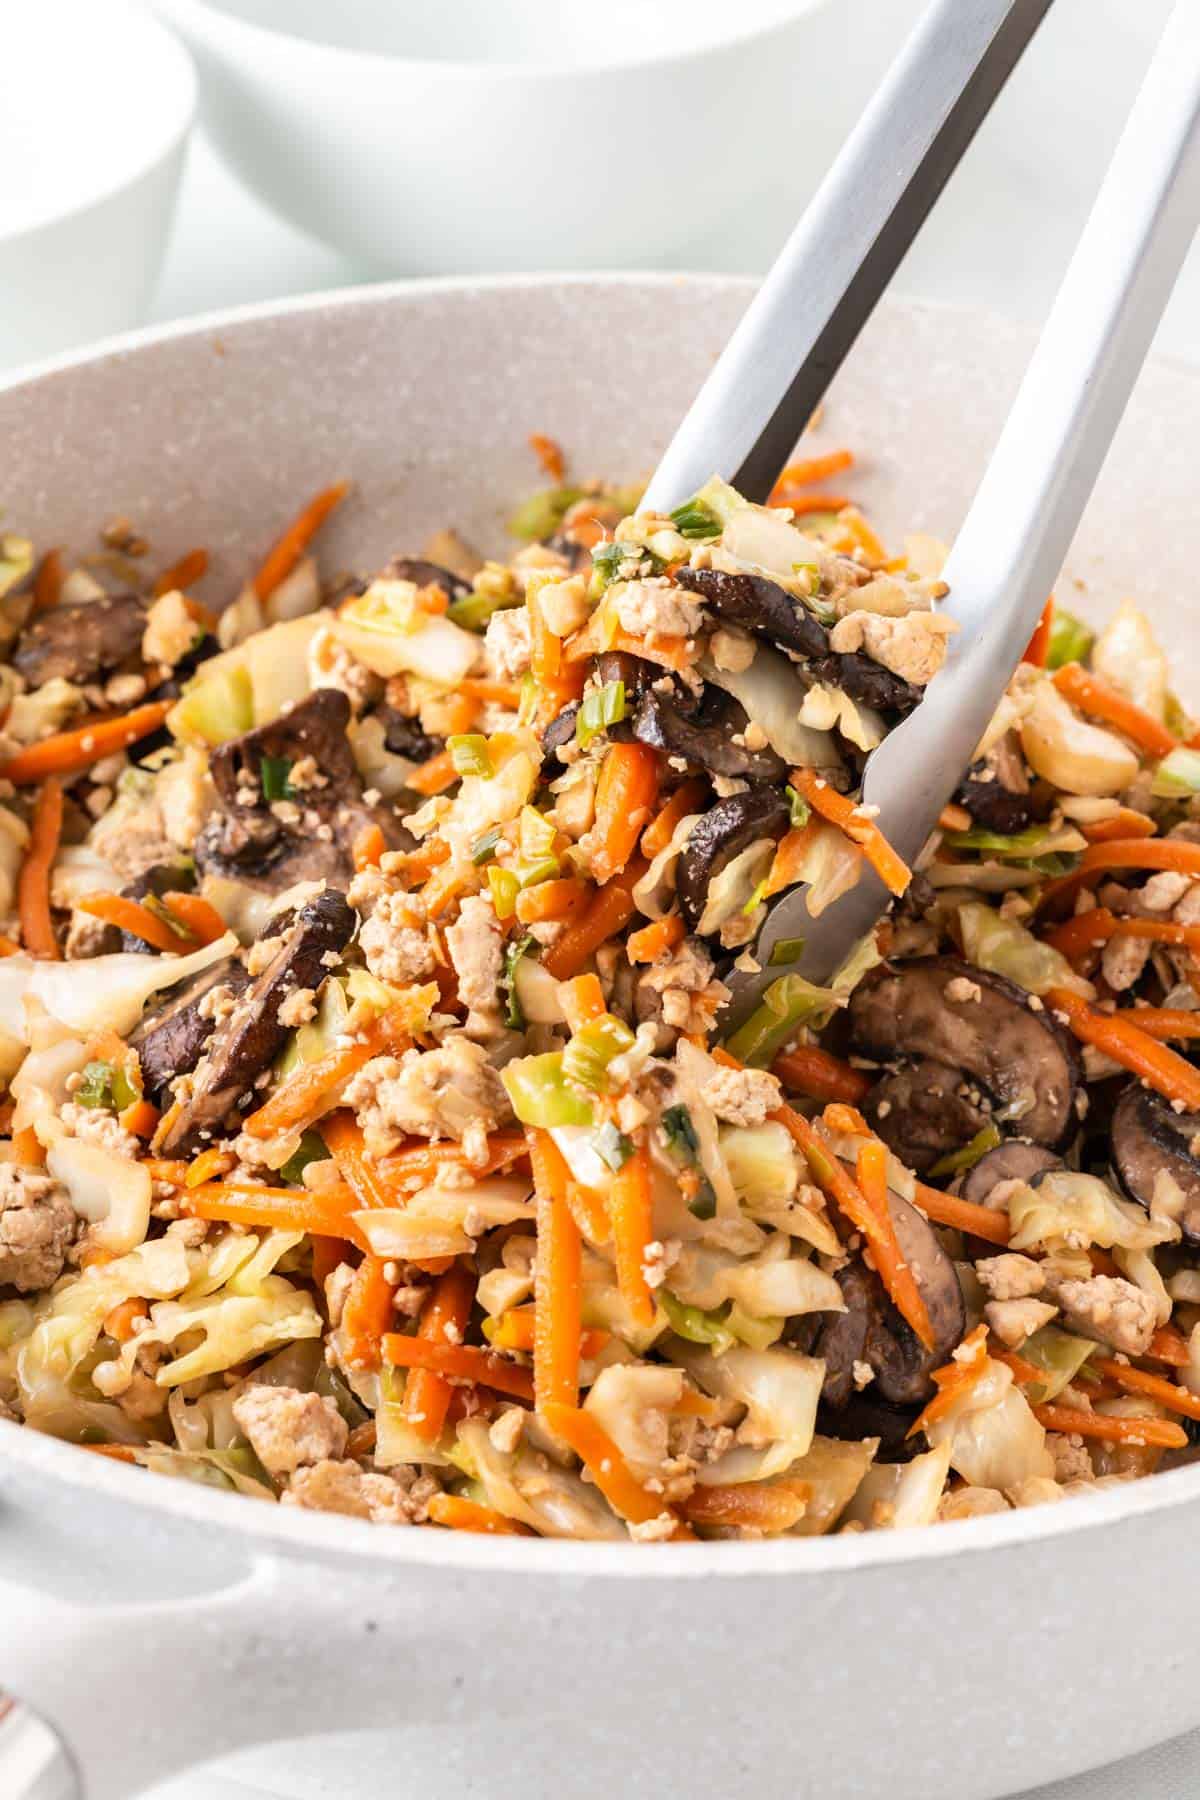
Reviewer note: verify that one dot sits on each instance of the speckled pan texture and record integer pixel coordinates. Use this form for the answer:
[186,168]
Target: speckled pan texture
[971,1660]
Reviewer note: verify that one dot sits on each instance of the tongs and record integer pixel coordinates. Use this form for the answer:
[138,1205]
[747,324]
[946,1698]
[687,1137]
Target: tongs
[1010,548]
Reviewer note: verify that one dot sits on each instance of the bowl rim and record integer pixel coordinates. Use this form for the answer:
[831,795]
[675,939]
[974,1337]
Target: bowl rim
[28,1457]
[150,38]
[461,68]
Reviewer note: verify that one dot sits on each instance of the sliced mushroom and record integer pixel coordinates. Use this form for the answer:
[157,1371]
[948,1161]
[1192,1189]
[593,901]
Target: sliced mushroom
[760,606]
[424,573]
[156,883]
[705,734]
[923,1111]
[81,640]
[722,833]
[170,1041]
[403,736]
[561,730]
[996,789]
[868,682]
[252,842]
[1153,1158]
[1014,1161]
[247,1042]
[636,675]
[866,1417]
[986,1029]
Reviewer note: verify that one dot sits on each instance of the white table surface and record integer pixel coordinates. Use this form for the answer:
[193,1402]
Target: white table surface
[1001,239]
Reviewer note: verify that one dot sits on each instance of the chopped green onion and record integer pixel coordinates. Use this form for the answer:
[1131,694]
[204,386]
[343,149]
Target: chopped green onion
[799,811]
[756,899]
[1175,718]
[757,1334]
[531,699]
[484,847]
[514,1017]
[697,1326]
[504,888]
[612,1146]
[273,773]
[1019,846]
[786,1005]
[469,754]
[1070,640]
[681,1133]
[593,1047]
[1177,776]
[162,911]
[106,1085]
[311,1148]
[695,520]
[547,868]
[540,1095]
[609,561]
[787,950]
[955,1161]
[598,710]
[541,515]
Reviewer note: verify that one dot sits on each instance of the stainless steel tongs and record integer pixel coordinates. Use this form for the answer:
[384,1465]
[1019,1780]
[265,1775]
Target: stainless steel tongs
[808,312]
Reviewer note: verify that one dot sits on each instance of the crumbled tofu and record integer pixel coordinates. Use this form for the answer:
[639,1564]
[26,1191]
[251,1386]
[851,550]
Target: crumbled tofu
[740,1096]
[37,1223]
[287,1429]
[185,796]
[1122,962]
[475,943]
[913,647]
[448,1092]
[342,1487]
[1072,1459]
[654,608]
[170,630]
[1015,1320]
[506,644]
[732,650]
[655,1531]
[298,1008]
[1107,1308]
[564,605]
[96,1125]
[963,990]
[679,992]
[1162,891]
[505,1430]
[1010,1276]
[394,940]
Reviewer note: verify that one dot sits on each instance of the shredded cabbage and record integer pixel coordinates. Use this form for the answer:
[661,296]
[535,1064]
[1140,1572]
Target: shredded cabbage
[389,634]
[990,1434]
[1075,1210]
[773,695]
[101,991]
[1003,947]
[893,1495]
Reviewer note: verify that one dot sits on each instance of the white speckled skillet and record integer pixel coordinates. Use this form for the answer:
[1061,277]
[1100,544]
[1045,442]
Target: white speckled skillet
[157,1623]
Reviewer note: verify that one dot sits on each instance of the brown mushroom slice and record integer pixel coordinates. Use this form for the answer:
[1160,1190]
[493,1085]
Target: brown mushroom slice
[423,573]
[706,734]
[1014,1161]
[81,640]
[995,790]
[760,606]
[723,832]
[246,1043]
[946,1010]
[868,682]
[170,1041]
[865,1417]
[923,1111]
[1152,1156]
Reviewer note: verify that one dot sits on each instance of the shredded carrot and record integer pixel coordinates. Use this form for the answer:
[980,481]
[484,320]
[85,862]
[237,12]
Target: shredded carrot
[459,1362]
[316,1087]
[1169,1346]
[448,881]
[954,1378]
[954,818]
[1096,927]
[630,1211]
[28,1150]
[287,550]
[198,914]
[608,912]
[444,1318]
[517,1330]
[770,1506]
[8,947]
[582,1001]
[1113,1033]
[791,854]
[550,901]
[122,1322]
[1025,1372]
[1038,647]
[369,846]
[1157,1434]
[48,582]
[1155,1387]
[803,501]
[655,940]
[323,1213]
[545,646]
[1122,853]
[499,693]
[133,917]
[862,535]
[327,1254]
[435,775]
[549,455]
[210,1165]
[190,567]
[839,1115]
[685,800]
[809,470]
[160,1168]
[1100,701]
[672,653]
[33,882]
[114,1452]
[590,1212]
[963,1215]
[416,1164]
[460,1514]
[1124,823]
[70,752]
[139,1118]
[416,866]
[825,800]
[607,1466]
[367,1313]
[558,1290]
[344,1140]
[625,796]
[813,1072]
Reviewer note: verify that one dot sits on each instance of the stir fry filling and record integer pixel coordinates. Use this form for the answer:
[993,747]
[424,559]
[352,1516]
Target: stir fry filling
[372,1138]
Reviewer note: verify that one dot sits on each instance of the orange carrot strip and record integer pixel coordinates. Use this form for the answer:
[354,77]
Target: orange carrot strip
[549,455]
[816,1074]
[122,1321]
[416,866]
[552,900]
[500,693]
[70,752]
[28,1150]
[367,1313]
[460,1514]
[435,775]
[287,550]
[47,583]
[133,917]
[1158,1434]
[459,1362]
[963,1215]
[558,1291]
[811,469]
[824,799]
[864,537]
[582,1000]
[33,882]
[210,1165]
[590,1212]
[1025,1372]
[198,914]
[418,1163]
[323,1214]
[954,1378]
[517,1330]
[160,1168]
[625,796]
[770,1506]
[140,1118]
[630,1208]
[545,647]
[344,1140]
[1125,823]
[369,846]
[115,1452]
[190,567]
[317,1086]
[609,911]
[811,500]
[1155,1387]
[607,1466]
[8,946]
[791,853]
[1082,933]
[685,800]
[1097,926]
[327,1254]
[1038,647]
[1169,1346]
[655,940]
[1097,698]
[1122,853]
[1162,1068]
[443,1320]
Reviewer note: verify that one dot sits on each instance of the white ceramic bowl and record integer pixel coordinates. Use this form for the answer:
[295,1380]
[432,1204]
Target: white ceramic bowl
[445,136]
[157,1623]
[97,106]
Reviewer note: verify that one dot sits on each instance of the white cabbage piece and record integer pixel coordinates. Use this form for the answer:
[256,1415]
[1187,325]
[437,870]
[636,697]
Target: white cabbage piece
[101,991]
[773,696]
[390,1231]
[14,841]
[990,1434]
[763,1162]
[776,1285]
[536,1491]
[1072,754]
[654,893]
[834,1469]
[831,867]
[248,1311]
[388,633]
[827,708]
[1003,947]
[731,892]
[1128,655]
[276,660]
[1076,1211]
[297,595]
[631,1402]
[379,767]
[537,993]
[779,1388]
[396,1440]
[892,1496]
[111,1192]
